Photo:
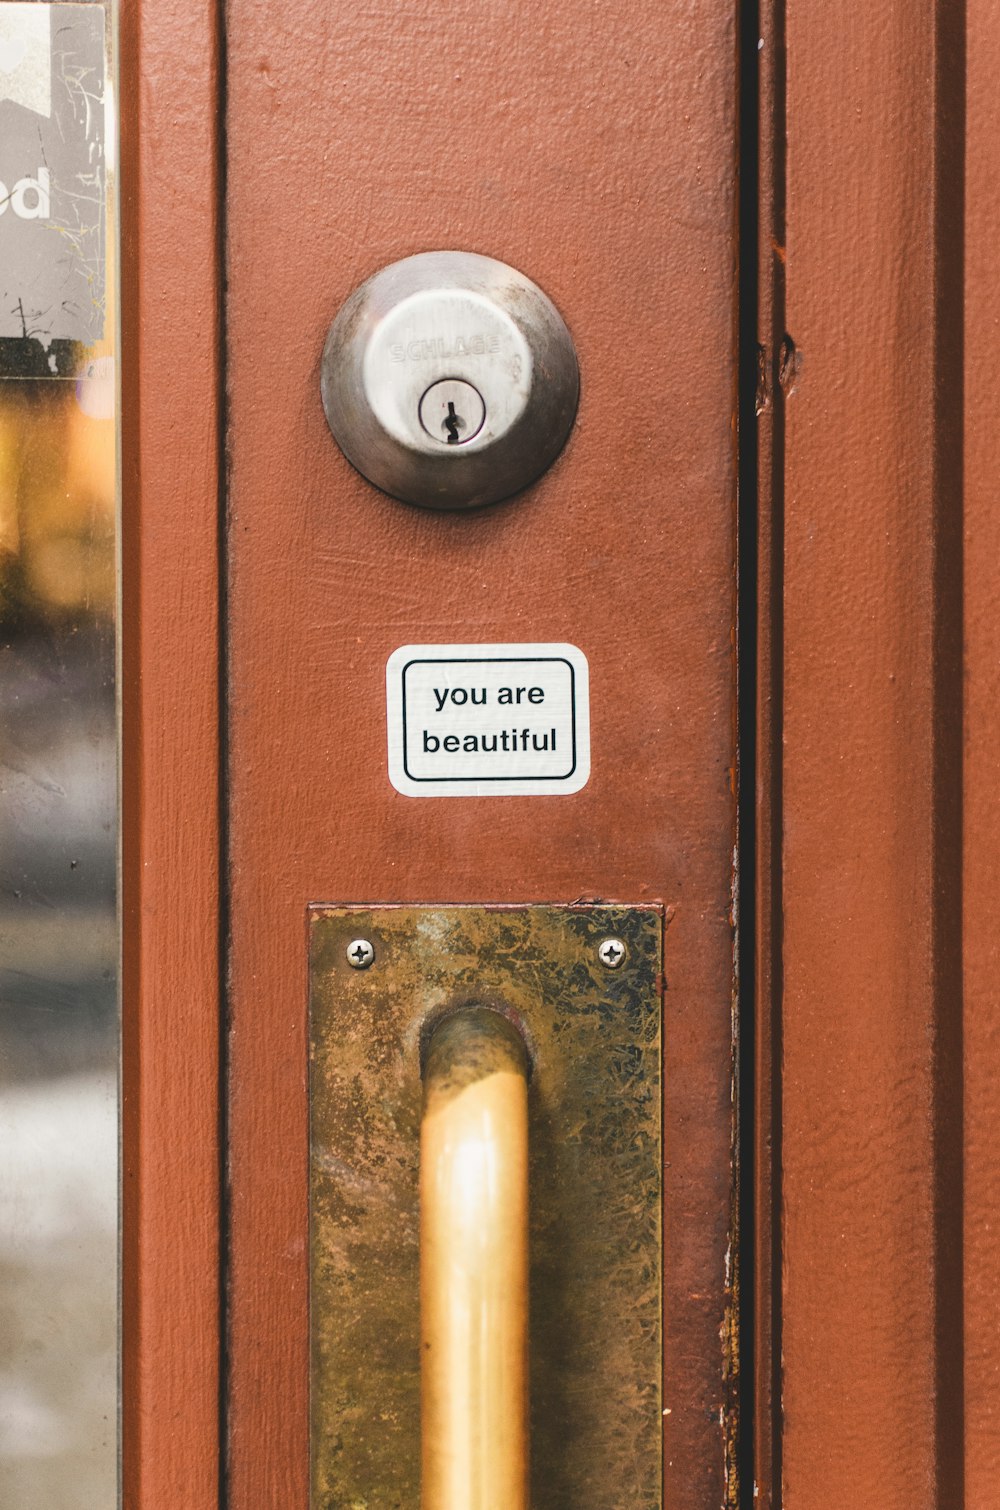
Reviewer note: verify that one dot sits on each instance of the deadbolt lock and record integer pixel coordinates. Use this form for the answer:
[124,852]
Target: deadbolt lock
[450,380]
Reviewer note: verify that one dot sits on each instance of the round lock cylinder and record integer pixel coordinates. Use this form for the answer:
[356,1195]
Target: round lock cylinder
[452,412]
[450,380]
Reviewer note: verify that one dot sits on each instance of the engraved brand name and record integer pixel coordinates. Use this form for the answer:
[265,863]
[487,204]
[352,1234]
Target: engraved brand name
[436,347]
[29,198]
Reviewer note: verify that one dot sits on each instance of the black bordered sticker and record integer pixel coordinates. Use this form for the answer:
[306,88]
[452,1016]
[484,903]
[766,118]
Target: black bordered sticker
[488,720]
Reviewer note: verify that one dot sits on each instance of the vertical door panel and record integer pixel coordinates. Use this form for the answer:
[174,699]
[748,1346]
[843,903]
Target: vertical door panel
[879,682]
[171,382]
[595,152]
[861,998]
[981,951]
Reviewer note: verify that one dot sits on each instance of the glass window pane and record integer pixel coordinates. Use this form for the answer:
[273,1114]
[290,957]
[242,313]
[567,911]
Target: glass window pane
[58,769]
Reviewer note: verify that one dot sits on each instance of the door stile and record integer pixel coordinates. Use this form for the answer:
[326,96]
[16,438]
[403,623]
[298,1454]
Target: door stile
[862,445]
[602,163]
[170,78]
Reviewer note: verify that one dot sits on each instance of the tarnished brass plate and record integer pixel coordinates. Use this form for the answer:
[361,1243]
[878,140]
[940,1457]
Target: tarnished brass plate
[595,1181]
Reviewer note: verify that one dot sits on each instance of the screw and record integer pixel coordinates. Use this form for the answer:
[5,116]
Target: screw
[360,954]
[611,953]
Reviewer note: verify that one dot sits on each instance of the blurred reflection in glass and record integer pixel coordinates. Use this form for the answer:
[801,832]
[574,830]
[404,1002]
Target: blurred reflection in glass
[58,802]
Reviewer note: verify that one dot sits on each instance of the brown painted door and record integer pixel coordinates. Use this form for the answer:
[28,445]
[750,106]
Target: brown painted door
[595,152]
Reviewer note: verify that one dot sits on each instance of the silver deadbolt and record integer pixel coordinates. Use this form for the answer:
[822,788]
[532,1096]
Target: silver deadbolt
[450,380]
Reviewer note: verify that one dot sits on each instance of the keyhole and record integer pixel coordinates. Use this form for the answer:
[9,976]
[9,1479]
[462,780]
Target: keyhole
[452,412]
[453,423]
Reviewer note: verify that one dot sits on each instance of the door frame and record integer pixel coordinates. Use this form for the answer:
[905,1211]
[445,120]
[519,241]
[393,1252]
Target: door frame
[170,73]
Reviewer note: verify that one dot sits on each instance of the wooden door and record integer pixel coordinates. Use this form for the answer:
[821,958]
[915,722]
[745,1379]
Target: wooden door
[596,154]
[598,151]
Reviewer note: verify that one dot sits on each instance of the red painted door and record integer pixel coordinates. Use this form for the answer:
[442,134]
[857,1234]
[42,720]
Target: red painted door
[597,155]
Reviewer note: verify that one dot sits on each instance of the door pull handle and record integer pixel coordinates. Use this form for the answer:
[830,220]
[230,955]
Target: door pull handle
[474,1265]
[485,1241]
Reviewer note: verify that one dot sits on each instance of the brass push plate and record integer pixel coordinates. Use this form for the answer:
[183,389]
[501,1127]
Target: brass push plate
[595,1190]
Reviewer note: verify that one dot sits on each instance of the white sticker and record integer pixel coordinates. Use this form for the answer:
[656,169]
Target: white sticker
[488,720]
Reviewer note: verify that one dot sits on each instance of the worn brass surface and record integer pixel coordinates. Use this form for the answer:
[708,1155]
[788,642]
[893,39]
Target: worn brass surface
[474,1265]
[595,1242]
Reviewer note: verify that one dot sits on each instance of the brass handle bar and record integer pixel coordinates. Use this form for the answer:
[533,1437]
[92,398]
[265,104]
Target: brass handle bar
[474,1265]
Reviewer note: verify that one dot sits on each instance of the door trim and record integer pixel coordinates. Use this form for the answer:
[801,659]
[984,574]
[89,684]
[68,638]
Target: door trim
[170,72]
